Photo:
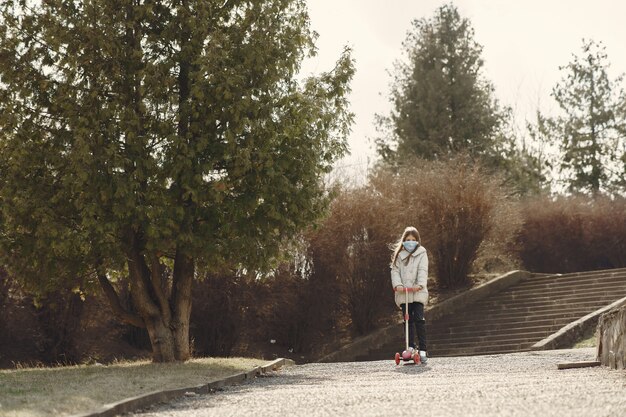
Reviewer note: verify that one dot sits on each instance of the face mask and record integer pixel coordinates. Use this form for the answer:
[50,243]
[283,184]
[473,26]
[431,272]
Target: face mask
[409,245]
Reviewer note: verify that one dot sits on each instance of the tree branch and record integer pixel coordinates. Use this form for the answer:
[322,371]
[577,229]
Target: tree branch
[157,284]
[114,300]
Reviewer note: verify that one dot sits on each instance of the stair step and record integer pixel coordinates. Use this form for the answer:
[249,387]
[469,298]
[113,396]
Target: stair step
[433,350]
[519,343]
[465,331]
[515,293]
[484,350]
[559,292]
[559,283]
[478,338]
[389,355]
[485,331]
[510,305]
[453,329]
[506,316]
[537,302]
[577,277]
[466,342]
[500,311]
[605,272]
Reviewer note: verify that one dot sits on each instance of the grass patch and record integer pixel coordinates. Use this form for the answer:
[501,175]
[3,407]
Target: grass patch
[586,340]
[586,343]
[62,391]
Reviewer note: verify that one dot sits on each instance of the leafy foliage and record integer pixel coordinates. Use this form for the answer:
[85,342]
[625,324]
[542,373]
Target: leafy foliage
[137,135]
[442,105]
[591,130]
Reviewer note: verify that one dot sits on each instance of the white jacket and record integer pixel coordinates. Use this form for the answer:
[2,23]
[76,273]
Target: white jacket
[414,273]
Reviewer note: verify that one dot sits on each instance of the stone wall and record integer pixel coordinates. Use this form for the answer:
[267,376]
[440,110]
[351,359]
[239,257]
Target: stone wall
[611,338]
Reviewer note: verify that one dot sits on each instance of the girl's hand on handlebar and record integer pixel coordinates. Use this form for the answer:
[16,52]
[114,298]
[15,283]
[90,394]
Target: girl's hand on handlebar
[401,288]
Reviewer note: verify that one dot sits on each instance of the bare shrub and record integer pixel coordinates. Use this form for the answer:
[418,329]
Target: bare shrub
[218,314]
[64,329]
[352,245]
[323,297]
[60,316]
[606,232]
[280,309]
[458,209]
[552,239]
[38,330]
[571,234]
[297,305]
[5,287]
[20,334]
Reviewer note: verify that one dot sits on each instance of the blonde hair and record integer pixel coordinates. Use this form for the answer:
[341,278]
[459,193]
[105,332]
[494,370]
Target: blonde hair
[410,230]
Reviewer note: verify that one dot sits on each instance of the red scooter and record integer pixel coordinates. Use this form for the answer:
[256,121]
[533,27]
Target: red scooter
[409,354]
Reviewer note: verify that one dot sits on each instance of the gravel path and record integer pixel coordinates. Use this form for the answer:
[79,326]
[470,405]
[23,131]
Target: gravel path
[520,384]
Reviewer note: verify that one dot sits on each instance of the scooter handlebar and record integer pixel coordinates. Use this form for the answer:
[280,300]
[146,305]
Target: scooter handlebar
[409,289]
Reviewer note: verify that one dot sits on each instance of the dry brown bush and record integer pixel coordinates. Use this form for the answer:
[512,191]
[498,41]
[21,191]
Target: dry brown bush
[352,247]
[572,234]
[297,305]
[60,315]
[218,313]
[459,210]
[279,310]
[42,330]
[606,232]
[20,336]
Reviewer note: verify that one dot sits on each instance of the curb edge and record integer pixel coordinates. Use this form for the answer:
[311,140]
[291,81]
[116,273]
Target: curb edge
[144,400]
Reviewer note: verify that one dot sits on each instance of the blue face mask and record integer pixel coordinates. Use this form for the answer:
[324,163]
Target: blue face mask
[409,245]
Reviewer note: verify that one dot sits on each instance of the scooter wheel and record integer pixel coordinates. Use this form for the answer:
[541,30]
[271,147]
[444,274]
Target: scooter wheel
[397,358]
[416,358]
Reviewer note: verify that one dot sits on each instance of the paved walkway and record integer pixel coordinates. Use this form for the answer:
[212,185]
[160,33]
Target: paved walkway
[519,384]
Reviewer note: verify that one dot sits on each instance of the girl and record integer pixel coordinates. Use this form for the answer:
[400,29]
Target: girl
[409,268]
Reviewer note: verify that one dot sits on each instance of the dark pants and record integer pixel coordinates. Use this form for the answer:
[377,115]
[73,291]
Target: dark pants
[416,323]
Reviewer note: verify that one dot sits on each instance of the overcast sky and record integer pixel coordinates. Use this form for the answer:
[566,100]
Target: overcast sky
[524,43]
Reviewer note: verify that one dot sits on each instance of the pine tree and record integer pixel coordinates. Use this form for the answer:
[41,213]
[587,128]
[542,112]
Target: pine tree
[442,104]
[154,138]
[591,129]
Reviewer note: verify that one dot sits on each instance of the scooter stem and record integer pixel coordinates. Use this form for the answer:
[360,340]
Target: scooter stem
[406,318]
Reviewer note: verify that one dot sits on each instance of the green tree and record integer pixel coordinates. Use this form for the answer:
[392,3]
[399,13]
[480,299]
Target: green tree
[620,182]
[524,167]
[442,104]
[591,129]
[156,139]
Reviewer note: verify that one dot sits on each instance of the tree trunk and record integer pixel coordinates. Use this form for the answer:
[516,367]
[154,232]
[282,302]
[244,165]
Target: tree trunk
[162,341]
[169,329]
[184,270]
[166,318]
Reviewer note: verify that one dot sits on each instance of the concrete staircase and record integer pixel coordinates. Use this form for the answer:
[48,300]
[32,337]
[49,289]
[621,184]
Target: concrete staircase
[516,318]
